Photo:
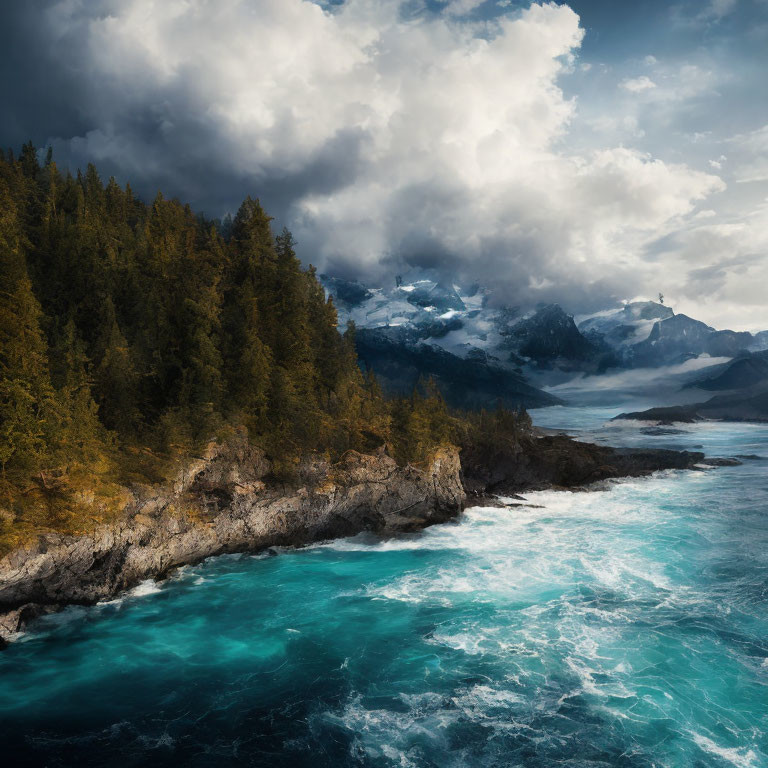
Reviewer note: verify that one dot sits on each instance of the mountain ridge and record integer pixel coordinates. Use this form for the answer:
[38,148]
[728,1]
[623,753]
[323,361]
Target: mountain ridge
[465,322]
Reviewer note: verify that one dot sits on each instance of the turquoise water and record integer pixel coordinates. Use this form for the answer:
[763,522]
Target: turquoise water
[627,627]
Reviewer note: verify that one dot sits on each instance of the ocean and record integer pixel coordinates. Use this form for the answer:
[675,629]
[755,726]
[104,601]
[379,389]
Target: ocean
[627,626]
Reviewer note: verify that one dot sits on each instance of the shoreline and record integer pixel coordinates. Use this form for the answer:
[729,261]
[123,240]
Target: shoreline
[222,505]
[153,585]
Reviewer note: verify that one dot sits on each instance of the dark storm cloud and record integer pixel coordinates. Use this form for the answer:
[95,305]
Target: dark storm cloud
[425,135]
[40,95]
[155,136]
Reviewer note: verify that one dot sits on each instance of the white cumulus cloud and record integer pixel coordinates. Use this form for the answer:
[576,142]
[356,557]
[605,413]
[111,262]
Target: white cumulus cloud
[382,138]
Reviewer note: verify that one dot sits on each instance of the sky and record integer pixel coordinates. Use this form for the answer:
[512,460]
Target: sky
[585,153]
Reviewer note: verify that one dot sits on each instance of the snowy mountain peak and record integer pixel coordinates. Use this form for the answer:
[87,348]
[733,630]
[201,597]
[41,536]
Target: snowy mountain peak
[462,322]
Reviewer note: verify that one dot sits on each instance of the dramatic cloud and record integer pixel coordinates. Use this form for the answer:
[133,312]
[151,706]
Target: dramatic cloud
[386,139]
[724,262]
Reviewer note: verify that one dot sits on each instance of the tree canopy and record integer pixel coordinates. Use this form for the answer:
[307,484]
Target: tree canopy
[131,334]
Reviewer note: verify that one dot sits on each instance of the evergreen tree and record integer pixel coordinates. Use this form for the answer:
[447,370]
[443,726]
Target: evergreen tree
[130,334]
[27,406]
[115,378]
[29,419]
[251,387]
[83,435]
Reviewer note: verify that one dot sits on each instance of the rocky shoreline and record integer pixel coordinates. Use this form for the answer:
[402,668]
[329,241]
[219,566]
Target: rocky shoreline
[556,461]
[224,503]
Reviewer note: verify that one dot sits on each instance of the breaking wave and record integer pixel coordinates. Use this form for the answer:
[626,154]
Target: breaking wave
[622,627]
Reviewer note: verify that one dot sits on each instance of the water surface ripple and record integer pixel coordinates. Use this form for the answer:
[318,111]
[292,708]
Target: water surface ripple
[626,627]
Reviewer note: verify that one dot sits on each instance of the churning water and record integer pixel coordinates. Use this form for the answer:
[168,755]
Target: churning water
[624,627]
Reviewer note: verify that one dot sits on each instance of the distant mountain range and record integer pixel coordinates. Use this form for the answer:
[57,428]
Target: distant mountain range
[480,353]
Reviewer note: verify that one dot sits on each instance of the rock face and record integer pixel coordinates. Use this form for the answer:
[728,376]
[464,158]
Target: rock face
[551,334]
[222,504]
[557,461]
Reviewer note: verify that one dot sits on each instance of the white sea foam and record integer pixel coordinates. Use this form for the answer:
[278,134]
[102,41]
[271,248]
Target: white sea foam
[365,543]
[470,643]
[384,733]
[486,696]
[740,757]
[512,553]
[142,589]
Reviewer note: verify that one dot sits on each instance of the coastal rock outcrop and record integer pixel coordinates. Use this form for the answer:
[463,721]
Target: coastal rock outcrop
[557,461]
[222,503]
[225,502]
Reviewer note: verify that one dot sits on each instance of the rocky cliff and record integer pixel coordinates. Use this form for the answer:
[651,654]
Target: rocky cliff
[222,503]
[557,461]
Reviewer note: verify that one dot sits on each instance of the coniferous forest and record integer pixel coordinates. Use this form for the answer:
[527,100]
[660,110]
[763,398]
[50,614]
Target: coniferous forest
[133,334]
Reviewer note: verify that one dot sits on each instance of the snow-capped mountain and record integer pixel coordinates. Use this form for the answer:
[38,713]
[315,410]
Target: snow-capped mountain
[425,328]
[622,327]
[648,335]
[455,333]
[429,310]
[461,322]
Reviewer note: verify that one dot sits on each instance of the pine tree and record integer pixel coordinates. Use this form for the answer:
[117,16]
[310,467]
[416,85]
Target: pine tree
[83,435]
[140,331]
[254,365]
[29,419]
[292,343]
[115,378]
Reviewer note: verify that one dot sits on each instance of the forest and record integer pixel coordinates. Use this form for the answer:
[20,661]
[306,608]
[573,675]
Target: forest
[133,334]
